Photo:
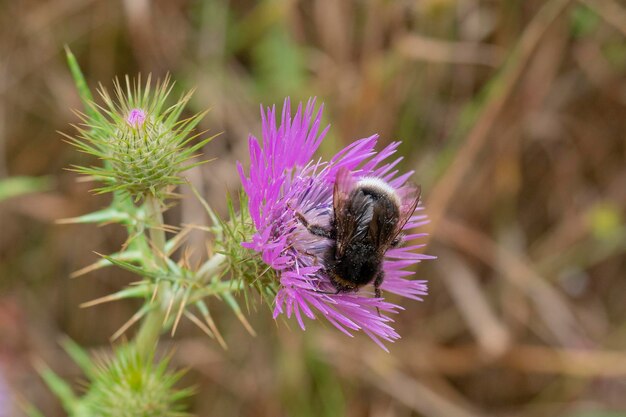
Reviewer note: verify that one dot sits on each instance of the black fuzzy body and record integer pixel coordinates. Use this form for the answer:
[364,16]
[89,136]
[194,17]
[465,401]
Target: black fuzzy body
[367,219]
[364,226]
[357,267]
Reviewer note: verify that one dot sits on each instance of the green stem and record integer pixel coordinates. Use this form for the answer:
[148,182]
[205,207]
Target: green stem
[152,325]
[150,330]
[156,230]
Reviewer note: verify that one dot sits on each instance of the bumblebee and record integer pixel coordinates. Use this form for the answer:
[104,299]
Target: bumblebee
[368,217]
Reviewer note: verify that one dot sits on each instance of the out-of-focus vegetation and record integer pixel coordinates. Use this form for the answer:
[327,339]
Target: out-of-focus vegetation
[512,113]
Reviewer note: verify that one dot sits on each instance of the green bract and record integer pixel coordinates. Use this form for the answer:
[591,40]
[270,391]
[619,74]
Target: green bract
[243,264]
[145,145]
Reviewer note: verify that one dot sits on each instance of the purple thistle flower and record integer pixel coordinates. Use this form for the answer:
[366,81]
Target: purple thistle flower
[284,179]
[136,117]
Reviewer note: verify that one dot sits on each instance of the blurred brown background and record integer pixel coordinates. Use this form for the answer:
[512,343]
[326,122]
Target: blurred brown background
[512,113]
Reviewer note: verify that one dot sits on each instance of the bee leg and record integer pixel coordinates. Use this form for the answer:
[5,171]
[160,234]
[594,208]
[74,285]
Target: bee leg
[399,240]
[315,229]
[378,281]
[339,290]
[326,292]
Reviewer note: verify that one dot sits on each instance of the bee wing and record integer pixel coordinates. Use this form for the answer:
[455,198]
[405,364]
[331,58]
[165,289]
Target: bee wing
[381,228]
[341,192]
[385,233]
[387,223]
[410,197]
[346,223]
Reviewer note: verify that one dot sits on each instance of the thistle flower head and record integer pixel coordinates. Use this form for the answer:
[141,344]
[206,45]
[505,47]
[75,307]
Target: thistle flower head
[130,385]
[142,141]
[284,180]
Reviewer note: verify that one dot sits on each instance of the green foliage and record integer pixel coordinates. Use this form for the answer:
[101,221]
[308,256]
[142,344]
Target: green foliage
[606,221]
[615,53]
[144,148]
[15,186]
[144,160]
[323,395]
[583,21]
[280,64]
[59,387]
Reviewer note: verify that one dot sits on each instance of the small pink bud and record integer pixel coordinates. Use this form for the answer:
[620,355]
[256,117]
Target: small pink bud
[136,117]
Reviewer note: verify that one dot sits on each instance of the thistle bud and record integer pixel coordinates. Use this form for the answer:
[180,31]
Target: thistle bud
[130,385]
[143,142]
[144,154]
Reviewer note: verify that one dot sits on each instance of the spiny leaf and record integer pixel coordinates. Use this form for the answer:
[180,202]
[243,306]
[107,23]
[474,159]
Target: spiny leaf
[133,268]
[204,311]
[29,409]
[59,387]
[81,84]
[140,291]
[108,215]
[15,186]
[79,356]
[134,319]
[232,303]
[127,255]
